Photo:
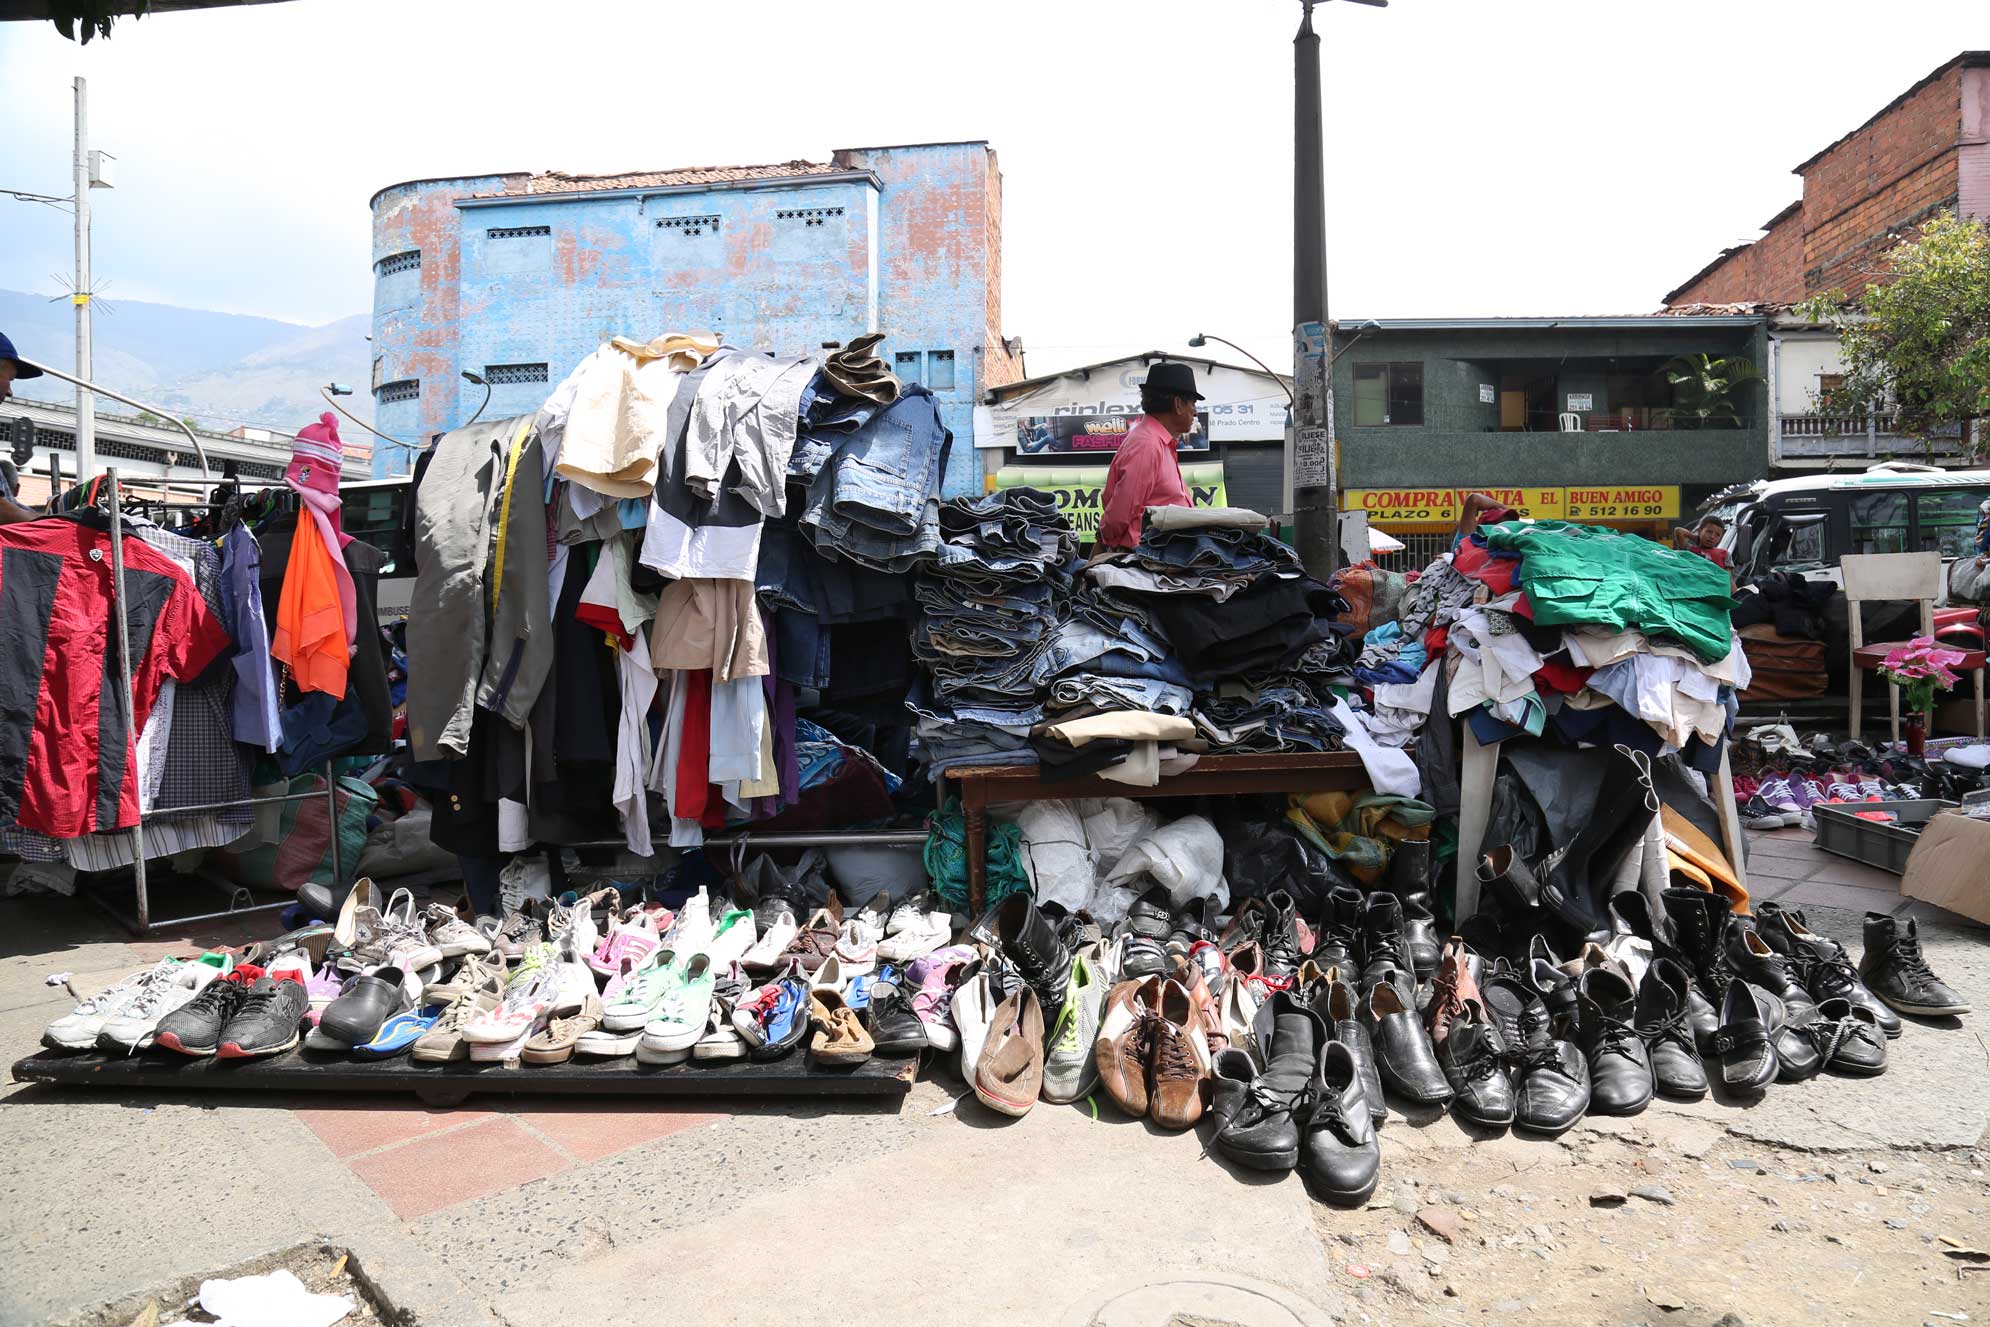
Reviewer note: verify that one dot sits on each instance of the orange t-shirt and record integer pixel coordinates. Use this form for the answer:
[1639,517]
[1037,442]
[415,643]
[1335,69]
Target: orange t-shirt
[310,620]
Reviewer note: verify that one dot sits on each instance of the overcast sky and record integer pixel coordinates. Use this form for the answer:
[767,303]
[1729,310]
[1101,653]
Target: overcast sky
[1483,156]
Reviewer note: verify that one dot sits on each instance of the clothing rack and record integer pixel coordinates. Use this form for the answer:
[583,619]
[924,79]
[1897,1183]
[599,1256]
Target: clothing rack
[142,922]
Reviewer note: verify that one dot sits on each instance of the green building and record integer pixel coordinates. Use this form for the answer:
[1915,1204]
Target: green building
[1575,418]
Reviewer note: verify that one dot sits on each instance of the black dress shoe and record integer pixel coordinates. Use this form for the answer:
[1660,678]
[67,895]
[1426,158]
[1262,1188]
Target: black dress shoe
[1748,1059]
[1403,1053]
[1557,992]
[1893,968]
[1620,1079]
[1280,937]
[1338,941]
[1420,932]
[1339,1156]
[1793,1031]
[1334,1001]
[1666,1030]
[1821,964]
[1385,947]
[1473,1057]
[890,1019]
[1853,1041]
[1550,1078]
[1233,1074]
[1762,967]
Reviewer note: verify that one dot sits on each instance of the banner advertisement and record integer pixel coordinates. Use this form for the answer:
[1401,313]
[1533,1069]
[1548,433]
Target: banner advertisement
[1080,490]
[1077,434]
[1441,506]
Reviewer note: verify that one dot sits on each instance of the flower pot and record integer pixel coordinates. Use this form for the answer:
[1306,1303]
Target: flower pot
[1917,737]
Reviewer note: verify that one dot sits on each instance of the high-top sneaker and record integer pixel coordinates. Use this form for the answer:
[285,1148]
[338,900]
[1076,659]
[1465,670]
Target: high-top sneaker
[1894,969]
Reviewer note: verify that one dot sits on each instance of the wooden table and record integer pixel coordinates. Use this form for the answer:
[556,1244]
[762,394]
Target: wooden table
[1281,772]
[1868,657]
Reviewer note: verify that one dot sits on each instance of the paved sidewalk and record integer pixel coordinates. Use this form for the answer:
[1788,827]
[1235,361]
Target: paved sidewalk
[557,1209]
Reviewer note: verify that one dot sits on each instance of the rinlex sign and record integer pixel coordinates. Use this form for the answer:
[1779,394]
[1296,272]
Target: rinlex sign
[1080,490]
[1441,506]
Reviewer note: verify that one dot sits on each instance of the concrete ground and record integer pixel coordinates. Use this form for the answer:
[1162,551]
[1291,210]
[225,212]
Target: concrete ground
[1825,1200]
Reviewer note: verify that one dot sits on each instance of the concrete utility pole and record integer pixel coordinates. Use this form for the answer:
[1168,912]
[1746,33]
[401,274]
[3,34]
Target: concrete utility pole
[1315,477]
[86,401]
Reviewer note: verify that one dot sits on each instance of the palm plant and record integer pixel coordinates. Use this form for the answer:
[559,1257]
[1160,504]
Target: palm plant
[1704,389]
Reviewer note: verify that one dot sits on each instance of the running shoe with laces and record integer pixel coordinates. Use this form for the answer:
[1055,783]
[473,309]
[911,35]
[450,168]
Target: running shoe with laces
[130,1025]
[525,1008]
[195,1028]
[630,936]
[1070,1064]
[443,1043]
[451,936]
[721,1040]
[269,1020]
[519,932]
[77,1030]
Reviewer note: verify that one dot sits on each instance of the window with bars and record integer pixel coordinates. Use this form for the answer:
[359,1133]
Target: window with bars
[690,226]
[498,375]
[409,261]
[808,216]
[517,232]
[404,389]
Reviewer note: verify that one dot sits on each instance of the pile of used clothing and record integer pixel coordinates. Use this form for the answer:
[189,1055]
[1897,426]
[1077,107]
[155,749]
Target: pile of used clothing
[988,610]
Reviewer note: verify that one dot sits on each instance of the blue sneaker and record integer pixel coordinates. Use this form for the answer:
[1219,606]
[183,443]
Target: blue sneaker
[786,1023]
[858,996]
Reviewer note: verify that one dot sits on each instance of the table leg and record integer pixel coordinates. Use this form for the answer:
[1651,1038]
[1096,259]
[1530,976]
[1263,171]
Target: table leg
[1730,815]
[1479,765]
[974,808]
[1977,681]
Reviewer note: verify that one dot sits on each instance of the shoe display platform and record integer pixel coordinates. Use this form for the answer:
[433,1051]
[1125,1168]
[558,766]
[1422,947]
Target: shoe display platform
[449,1084]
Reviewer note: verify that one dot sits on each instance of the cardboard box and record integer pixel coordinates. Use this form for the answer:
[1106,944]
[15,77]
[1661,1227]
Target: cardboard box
[1950,866]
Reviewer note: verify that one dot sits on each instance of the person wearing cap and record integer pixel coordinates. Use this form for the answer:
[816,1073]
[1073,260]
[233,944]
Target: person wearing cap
[12,369]
[1144,470]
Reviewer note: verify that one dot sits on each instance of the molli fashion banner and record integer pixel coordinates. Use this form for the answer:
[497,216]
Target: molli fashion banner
[1080,491]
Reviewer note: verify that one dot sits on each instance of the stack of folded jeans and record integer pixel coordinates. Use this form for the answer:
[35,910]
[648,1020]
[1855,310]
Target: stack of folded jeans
[989,610]
[1248,630]
[848,390]
[876,498]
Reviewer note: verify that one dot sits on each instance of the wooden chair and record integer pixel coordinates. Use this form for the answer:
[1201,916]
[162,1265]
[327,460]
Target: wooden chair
[1896,577]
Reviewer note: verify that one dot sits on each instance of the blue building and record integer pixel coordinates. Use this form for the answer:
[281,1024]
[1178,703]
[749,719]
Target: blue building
[517,277]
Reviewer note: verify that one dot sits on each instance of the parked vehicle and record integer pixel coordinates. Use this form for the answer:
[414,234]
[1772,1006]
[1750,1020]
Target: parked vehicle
[381,511]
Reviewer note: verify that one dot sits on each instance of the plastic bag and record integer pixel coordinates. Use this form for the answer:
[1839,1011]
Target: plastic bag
[1113,825]
[1056,854]
[1262,856]
[1185,855]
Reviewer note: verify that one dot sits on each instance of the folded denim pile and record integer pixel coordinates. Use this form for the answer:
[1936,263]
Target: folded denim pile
[1217,622]
[990,607]
[876,497]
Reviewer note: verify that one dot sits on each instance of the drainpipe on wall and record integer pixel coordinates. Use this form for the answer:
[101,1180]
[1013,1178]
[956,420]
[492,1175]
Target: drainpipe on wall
[1772,386]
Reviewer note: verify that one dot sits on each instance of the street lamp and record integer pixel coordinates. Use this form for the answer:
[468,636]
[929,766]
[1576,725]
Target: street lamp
[331,389]
[1201,339]
[478,379]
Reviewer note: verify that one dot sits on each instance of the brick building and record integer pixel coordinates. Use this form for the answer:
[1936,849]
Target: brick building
[1927,149]
[517,277]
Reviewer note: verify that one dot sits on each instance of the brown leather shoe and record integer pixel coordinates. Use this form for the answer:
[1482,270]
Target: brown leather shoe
[1181,1064]
[1197,985]
[1450,988]
[1010,1073]
[815,942]
[1125,1043]
[839,1039]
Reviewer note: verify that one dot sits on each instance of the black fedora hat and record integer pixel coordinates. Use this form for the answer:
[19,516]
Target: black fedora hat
[1172,377]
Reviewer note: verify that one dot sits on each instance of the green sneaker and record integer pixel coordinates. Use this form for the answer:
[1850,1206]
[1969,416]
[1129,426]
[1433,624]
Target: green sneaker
[1070,1069]
[643,993]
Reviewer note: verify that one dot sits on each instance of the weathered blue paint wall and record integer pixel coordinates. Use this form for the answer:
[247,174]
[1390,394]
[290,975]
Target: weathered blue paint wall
[905,240]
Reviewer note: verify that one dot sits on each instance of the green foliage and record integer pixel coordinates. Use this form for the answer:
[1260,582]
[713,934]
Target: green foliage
[1917,340]
[1704,388]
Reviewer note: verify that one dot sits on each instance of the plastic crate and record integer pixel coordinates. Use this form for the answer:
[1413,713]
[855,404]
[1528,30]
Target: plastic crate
[1840,830]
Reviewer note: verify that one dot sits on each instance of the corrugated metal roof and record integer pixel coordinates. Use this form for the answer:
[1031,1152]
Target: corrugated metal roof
[560,182]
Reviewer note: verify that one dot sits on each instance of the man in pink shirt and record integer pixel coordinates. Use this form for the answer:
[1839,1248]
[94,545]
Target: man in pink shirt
[1144,470]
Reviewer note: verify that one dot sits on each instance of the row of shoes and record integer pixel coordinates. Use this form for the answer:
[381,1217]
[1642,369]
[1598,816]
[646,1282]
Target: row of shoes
[1781,801]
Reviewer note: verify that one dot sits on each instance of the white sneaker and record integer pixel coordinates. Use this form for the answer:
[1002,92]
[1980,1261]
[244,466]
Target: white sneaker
[453,936]
[974,1011]
[857,946]
[734,935]
[129,1027]
[832,975]
[915,933]
[694,930]
[527,1006]
[77,1030]
[573,983]
[765,955]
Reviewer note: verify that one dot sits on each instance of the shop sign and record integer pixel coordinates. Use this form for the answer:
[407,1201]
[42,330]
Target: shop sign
[1076,433]
[1080,491]
[1441,506]
[1486,394]
[1582,401]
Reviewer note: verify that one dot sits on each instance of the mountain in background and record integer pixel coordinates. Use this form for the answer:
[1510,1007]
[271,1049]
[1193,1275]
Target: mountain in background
[223,369]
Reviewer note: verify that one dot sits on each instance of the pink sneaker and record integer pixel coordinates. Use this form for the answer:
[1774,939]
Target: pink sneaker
[325,985]
[932,982]
[631,936]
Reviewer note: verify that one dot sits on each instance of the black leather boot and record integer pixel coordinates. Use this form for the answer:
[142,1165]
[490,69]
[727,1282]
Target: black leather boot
[1385,947]
[1578,886]
[1699,924]
[1031,943]
[1817,961]
[1506,877]
[1762,967]
[1338,943]
[1409,871]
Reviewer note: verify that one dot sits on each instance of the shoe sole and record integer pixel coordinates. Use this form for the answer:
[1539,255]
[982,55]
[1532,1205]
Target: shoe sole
[461,1051]
[1340,1197]
[556,1055]
[57,1044]
[234,1050]
[733,1051]
[1925,1010]
[608,1047]
[1851,1070]
[171,1041]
